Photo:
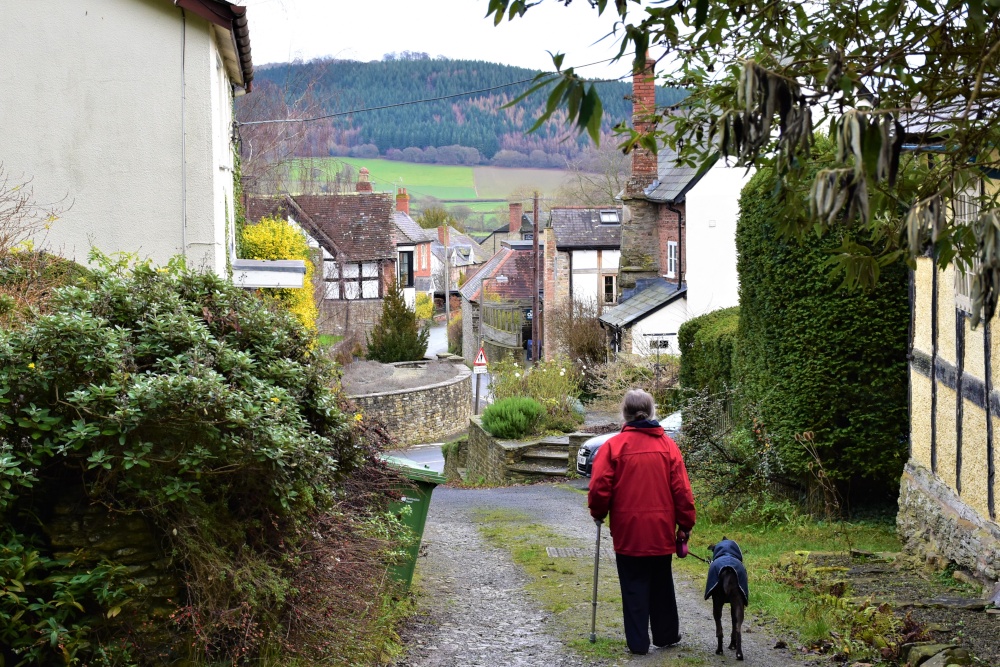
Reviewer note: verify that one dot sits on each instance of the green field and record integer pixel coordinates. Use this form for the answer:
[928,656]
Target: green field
[446,182]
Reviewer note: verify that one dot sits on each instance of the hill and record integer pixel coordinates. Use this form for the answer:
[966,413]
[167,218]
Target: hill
[472,129]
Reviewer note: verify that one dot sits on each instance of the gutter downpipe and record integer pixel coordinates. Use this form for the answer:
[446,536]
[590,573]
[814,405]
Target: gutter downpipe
[680,244]
[183,130]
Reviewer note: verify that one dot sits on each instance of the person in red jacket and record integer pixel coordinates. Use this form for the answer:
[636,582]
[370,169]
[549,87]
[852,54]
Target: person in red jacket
[639,478]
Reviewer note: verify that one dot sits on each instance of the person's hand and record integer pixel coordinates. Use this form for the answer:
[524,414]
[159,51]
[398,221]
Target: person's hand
[598,522]
[682,535]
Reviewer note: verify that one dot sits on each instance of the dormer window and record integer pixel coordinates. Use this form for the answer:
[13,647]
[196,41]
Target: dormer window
[610,218]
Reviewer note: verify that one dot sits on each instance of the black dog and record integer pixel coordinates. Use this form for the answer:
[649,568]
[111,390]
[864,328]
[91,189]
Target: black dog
[727,582]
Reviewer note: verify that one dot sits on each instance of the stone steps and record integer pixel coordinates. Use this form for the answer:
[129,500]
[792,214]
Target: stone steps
[529,469]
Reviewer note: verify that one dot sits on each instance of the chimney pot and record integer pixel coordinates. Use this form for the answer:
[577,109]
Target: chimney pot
[403,201]
[364,184]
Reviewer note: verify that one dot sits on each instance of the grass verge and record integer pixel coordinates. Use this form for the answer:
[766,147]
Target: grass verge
[564,586]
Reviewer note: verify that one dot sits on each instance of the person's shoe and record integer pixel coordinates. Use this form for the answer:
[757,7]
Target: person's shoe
[670,643]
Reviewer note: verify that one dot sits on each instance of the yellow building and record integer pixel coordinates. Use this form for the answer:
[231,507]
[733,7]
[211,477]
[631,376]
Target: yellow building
[949,489]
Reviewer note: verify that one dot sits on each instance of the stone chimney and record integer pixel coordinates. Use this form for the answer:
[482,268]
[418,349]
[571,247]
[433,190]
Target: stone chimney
[364,185]
[516,211]
[403,201]
[644,168]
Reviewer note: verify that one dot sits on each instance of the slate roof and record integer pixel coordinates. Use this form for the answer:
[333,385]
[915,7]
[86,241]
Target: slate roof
[409,232]
[582,228]
[673,181]
[357,227]
[468,250]
[656,295]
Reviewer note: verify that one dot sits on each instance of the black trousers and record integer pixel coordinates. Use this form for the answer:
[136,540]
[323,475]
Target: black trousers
[648,601]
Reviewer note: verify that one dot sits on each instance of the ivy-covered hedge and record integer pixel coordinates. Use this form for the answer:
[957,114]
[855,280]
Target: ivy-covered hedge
[706,343]
[813,357]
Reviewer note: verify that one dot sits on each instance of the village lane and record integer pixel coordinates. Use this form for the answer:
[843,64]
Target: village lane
[473,608]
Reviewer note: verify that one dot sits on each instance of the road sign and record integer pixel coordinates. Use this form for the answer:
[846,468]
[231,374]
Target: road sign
[479,365]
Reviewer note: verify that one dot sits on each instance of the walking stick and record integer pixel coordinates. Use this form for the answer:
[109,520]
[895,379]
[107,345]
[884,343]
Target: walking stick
[597,564]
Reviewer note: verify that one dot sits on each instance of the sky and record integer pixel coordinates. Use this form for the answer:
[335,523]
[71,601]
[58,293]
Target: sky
[285,30]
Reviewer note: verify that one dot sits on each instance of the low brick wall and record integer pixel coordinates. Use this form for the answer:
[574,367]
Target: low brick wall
[934,524]
[423,414]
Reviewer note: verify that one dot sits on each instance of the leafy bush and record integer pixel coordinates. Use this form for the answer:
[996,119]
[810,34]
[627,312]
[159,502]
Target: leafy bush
[279,239]
[455,334]
[397,336]
[554,384]
[578,333]
[817,358]
[424,306]
[513,417]
[182,398]
[706,345]
[607,383]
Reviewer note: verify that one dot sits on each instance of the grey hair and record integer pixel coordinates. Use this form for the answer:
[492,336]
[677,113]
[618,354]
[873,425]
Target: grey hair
[637,405]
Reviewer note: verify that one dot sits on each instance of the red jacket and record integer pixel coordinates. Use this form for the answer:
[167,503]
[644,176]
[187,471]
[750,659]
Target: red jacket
[639,475]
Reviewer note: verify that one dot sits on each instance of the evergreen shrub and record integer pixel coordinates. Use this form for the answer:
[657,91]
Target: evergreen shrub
[181,398]
[397,336]
[814,357]
[513,418]
[706,343]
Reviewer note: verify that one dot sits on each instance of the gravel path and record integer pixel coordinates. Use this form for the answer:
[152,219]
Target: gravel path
[474,611]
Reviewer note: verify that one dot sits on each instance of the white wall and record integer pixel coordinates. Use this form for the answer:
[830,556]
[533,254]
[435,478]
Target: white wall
[664,321]
[91,110]
[589,268]
[712,209]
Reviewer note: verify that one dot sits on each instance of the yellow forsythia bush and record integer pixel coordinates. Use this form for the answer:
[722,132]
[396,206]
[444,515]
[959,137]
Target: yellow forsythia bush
[278,239]
[425,306]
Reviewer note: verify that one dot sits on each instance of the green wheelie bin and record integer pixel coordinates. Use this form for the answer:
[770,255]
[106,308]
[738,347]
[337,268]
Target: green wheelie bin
[418,499]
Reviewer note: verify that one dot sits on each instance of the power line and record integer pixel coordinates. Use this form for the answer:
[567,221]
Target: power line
[411,102]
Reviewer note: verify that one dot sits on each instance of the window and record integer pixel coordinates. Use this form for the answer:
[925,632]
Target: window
[671,259]
[350,281]
[406,268]
[610,293]
[965,208]
[609,218]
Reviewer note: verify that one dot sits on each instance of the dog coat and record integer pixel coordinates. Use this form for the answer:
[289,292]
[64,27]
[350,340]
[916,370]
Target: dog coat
[727,554]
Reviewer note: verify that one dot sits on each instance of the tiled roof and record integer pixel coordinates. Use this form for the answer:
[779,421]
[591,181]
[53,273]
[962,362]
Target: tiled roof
[359,223]
[655,296]
[516,265]
[408,231]
[674,181]
[582,228]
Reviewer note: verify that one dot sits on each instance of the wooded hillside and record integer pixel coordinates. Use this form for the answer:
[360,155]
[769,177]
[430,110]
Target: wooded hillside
[419,132]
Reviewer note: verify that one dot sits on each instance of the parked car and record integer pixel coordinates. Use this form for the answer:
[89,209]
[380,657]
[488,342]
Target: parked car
[588,450]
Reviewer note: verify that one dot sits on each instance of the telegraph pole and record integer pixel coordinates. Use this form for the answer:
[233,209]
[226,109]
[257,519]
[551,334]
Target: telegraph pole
[447,282]
[535,329]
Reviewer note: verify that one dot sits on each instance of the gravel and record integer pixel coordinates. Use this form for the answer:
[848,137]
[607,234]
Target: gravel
[473,609]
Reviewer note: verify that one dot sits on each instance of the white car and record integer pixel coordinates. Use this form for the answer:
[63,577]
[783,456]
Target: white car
[585,457]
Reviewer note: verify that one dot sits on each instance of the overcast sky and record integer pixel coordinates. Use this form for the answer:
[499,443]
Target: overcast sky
[283,30]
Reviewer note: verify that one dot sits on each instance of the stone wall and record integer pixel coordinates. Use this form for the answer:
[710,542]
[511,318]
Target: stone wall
[424,414]
[343,318]
[487,458]
[936,525]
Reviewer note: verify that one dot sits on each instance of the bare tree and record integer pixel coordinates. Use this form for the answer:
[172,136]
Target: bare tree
[20,217]
[598,177]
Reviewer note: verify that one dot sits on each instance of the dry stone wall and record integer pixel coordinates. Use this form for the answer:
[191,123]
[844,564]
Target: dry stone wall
[425,414]
[935,524]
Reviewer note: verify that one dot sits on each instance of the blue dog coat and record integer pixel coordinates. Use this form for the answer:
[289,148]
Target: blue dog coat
[727,554]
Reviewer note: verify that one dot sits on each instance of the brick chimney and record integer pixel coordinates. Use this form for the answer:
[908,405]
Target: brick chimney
[443,235]
[516,211]
[644,168]
[364,185]
[403,201]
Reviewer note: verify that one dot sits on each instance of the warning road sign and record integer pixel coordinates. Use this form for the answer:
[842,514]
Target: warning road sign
[479,365]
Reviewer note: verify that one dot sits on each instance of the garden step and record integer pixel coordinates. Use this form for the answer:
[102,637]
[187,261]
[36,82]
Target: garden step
[546,453]
[535,469]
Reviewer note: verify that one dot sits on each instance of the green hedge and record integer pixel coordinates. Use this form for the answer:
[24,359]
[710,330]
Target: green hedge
[513,417]
[813,357]
[706,343]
